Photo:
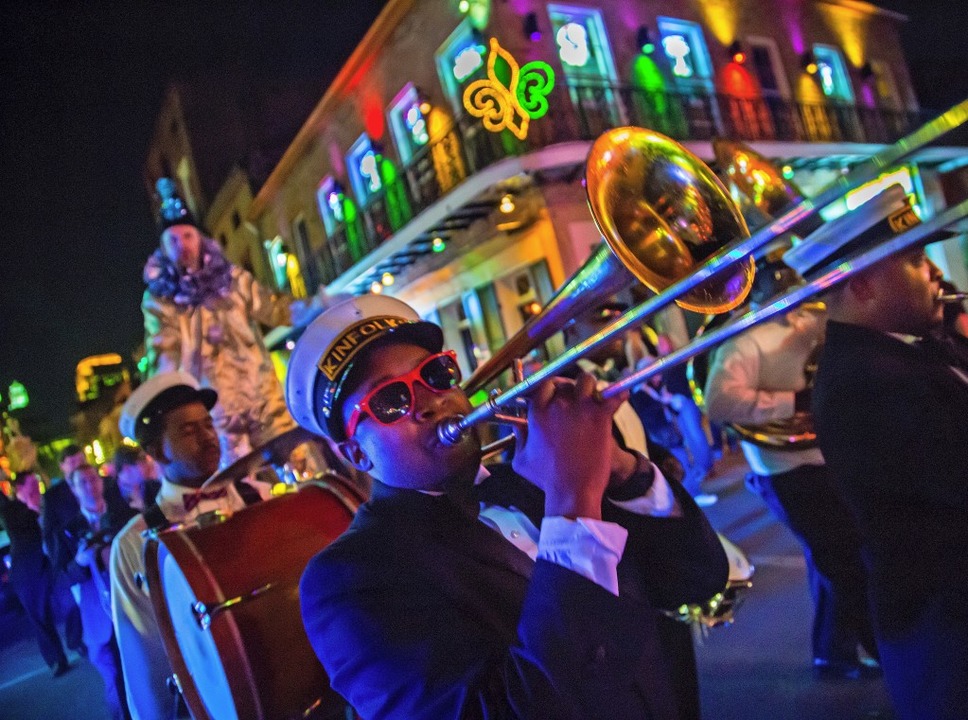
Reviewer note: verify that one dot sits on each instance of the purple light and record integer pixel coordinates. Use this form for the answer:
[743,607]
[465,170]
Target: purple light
[535,36]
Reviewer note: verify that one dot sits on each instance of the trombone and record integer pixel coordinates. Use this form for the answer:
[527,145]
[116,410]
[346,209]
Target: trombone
[626,154]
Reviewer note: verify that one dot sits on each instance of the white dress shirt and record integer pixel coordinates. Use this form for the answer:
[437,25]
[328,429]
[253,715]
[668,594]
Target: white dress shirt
[143,658]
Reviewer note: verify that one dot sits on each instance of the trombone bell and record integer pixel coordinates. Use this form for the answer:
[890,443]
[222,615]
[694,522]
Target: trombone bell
[663,212]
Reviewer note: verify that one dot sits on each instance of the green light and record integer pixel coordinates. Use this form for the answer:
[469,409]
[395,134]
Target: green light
[464,6]
[438,245]
[648,48]
[787,172]
[18,396]
[143,364]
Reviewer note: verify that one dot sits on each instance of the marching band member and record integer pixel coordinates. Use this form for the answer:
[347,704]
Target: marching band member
[444,599]
[758,377]
[169,416]
[891,407]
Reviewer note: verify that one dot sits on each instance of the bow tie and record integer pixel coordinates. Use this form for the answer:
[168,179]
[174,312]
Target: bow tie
[191,500]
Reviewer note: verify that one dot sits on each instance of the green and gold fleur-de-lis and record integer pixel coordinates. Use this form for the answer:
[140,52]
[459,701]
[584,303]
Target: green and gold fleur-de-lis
[512,106]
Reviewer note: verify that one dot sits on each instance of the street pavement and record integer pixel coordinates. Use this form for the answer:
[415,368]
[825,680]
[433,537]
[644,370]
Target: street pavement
[756,669]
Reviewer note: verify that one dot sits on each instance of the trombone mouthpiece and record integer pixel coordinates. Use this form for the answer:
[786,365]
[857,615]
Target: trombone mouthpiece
[450,431]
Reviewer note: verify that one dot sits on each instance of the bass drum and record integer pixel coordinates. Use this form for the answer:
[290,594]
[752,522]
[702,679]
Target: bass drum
[226,597]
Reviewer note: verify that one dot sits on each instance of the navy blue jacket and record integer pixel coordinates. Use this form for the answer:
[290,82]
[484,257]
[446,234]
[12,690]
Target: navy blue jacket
[420,611]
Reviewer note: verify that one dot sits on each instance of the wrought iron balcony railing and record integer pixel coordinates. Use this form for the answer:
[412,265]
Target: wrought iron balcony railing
[582,113]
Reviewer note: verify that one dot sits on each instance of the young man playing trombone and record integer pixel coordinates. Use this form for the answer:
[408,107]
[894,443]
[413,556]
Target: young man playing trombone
[445,599]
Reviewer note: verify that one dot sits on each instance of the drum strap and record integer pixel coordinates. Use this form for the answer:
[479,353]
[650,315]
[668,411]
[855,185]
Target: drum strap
[155,518]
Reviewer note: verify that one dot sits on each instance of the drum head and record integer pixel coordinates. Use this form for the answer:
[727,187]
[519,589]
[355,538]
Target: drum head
[198,649]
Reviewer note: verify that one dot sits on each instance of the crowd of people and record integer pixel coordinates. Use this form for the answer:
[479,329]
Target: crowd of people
[543,586]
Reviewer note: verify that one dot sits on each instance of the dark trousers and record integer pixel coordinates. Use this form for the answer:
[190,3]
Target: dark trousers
[34,587]
[926,665]
[806,501]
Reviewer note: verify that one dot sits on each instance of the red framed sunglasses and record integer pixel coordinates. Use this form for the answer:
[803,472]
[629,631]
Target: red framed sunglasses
[391,401]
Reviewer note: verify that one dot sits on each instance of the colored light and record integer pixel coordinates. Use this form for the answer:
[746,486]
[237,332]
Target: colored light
[290,345]
[18,396]
[739,57]
[387,279]
[787,172]
[677,48]
[514,103]
[648,48]
[464,6]
[812,68]
[467,61]
[438,244]
[507,204]
[376,287]
[572,39]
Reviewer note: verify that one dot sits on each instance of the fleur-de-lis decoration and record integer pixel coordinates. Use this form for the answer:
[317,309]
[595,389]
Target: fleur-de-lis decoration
[514,105]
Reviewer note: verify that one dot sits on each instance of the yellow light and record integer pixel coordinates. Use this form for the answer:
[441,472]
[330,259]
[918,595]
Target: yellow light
[387,279]
[510,105]
[438,244]
[812,68]
[507,204]
[376,288]
[464,6]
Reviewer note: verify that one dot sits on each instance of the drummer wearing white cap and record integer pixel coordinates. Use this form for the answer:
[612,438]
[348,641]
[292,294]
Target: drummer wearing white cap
[168,415]
[444,599]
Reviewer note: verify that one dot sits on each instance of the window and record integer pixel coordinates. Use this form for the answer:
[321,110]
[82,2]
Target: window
[686,51]
[885,86]
[766,65]
[363,166]
[832,73]
[408,124]
[330,198]
[459,61]
[582,43]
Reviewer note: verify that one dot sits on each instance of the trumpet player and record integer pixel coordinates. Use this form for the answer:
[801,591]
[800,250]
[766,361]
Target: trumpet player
[759,377]
[524,591]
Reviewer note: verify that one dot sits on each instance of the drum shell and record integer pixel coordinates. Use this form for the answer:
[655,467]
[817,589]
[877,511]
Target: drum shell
[271,669]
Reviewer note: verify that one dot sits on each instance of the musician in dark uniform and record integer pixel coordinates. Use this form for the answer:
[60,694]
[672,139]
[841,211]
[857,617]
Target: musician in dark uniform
[82,553]
[891,408]
[757,377]
[30,573]
[444,599]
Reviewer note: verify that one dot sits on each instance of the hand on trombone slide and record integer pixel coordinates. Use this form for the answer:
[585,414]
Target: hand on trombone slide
[566,446]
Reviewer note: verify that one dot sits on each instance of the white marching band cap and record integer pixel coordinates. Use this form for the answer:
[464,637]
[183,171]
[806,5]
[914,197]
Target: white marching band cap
[324,356]
[887,213]
[156,396]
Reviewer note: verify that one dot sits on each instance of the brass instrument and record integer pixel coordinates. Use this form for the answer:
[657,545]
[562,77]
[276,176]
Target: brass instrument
[662,212]
[687,255]
[666,218]
[762,188]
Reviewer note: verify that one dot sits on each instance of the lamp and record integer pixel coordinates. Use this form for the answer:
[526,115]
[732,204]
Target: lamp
[423,102]
[736,52]
[809,62]
[643,38]
[531,30]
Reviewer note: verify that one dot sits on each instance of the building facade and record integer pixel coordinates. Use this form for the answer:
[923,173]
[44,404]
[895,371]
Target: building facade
[444,163]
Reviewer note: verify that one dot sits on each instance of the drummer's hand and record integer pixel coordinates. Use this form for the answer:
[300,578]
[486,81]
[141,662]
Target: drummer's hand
[566,450]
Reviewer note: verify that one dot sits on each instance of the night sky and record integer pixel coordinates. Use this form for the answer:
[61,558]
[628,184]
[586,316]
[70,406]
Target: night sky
[80,87]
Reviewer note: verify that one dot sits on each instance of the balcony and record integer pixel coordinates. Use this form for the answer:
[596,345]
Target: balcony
[582,113]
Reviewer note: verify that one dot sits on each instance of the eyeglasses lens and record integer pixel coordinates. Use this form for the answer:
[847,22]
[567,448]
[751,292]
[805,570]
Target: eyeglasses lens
[441,373]
[391,403]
